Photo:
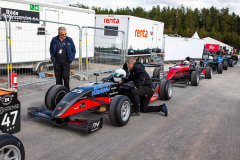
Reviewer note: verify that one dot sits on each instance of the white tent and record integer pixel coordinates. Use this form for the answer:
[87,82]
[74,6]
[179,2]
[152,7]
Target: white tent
[195,36]
[209,40]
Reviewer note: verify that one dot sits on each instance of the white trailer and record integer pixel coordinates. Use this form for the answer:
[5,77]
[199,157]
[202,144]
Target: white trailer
[34,47]
[178,48]
[142,36]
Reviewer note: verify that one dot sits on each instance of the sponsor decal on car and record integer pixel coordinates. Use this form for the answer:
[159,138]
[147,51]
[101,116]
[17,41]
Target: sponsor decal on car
[6,99]
[101,89]
[9,108]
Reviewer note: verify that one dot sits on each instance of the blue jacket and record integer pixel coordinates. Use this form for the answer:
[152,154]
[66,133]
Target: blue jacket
[71,51]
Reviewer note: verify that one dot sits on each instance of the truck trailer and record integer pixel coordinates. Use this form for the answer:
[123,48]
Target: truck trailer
[142,36]
[34,24]
[178,48]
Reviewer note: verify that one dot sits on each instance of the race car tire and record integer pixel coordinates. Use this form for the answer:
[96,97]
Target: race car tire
[166,90]
[10,143]
[209,73]
[119,111]
[144,60]
[54,95]
[231,63]
[141,60]
[156,72]
[194,78]
[220,68]
[225,65]
[147,60]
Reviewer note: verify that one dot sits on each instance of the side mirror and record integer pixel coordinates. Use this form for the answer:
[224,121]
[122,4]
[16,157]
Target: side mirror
[96,74]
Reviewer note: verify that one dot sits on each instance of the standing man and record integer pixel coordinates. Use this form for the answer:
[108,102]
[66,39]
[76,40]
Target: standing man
[143,89]
[62,51]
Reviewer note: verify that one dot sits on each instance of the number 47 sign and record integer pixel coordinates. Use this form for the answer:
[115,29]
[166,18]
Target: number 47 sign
[10,122]
[10,114]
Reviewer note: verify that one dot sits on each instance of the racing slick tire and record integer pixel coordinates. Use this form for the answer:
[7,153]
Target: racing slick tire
[219,68]
[119,111]
[156,72]
[209,73]
[166,90]
[141,60]
[147,60]
[231,63]
[11,147]
[54,95]
[194,78]
[225,65]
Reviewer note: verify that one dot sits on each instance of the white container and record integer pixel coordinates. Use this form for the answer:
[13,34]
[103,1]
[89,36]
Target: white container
[27,44]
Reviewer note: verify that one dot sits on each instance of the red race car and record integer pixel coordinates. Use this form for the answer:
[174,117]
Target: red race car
[187,72]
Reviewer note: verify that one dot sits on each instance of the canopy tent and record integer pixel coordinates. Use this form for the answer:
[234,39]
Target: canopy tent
[195,36]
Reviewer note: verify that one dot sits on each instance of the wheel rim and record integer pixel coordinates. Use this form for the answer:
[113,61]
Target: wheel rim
[43,68]
[146,60]
[10,152]
[125,111]
[170,90]
[59,96]
[197,79]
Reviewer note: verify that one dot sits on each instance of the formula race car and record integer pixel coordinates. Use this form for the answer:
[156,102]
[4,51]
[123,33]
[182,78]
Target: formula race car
[217,64]
[231,60]
[103,97]
[187,72]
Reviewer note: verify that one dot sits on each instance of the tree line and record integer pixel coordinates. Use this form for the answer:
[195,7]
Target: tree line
[208,22]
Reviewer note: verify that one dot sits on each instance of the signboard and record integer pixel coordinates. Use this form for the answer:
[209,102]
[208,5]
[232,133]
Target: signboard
[212,47]
[29,16]
[34,7]
[9,113]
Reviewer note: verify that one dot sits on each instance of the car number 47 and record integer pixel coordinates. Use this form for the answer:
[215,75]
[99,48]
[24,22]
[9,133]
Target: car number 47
[6,119]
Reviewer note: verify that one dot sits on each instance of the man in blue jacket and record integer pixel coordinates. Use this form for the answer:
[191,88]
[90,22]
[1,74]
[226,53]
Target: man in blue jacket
[62,51]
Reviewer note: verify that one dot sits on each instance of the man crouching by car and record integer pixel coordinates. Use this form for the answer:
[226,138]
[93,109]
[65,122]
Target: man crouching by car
[143,89]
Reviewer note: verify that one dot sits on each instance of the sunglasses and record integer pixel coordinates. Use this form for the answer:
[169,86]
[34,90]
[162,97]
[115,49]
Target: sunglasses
[63,34]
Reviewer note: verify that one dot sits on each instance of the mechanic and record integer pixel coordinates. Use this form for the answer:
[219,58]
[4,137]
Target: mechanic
[62,51]
[143,89]
[234,57]
[125,68]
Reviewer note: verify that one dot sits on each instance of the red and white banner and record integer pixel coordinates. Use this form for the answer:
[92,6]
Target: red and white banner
[212,47]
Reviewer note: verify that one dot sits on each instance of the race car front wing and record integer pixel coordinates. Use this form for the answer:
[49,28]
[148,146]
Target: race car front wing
[88,125]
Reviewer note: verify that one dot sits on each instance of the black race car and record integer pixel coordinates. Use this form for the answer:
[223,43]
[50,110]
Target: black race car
[104,97]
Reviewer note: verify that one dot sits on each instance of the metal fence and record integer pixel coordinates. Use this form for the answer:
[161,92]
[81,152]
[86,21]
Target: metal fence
[4,64]
[25,42]
[104,51]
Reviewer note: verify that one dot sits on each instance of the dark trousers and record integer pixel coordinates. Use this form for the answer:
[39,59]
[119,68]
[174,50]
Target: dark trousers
[62,72]
[141,98]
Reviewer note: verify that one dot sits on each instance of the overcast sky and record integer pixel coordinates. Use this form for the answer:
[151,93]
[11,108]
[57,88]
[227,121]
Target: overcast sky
[233,5]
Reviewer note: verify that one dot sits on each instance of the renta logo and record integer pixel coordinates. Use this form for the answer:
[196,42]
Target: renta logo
[141,33]
[106,20]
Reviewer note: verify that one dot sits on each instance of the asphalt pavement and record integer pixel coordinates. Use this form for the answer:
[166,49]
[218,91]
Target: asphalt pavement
[203,124]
